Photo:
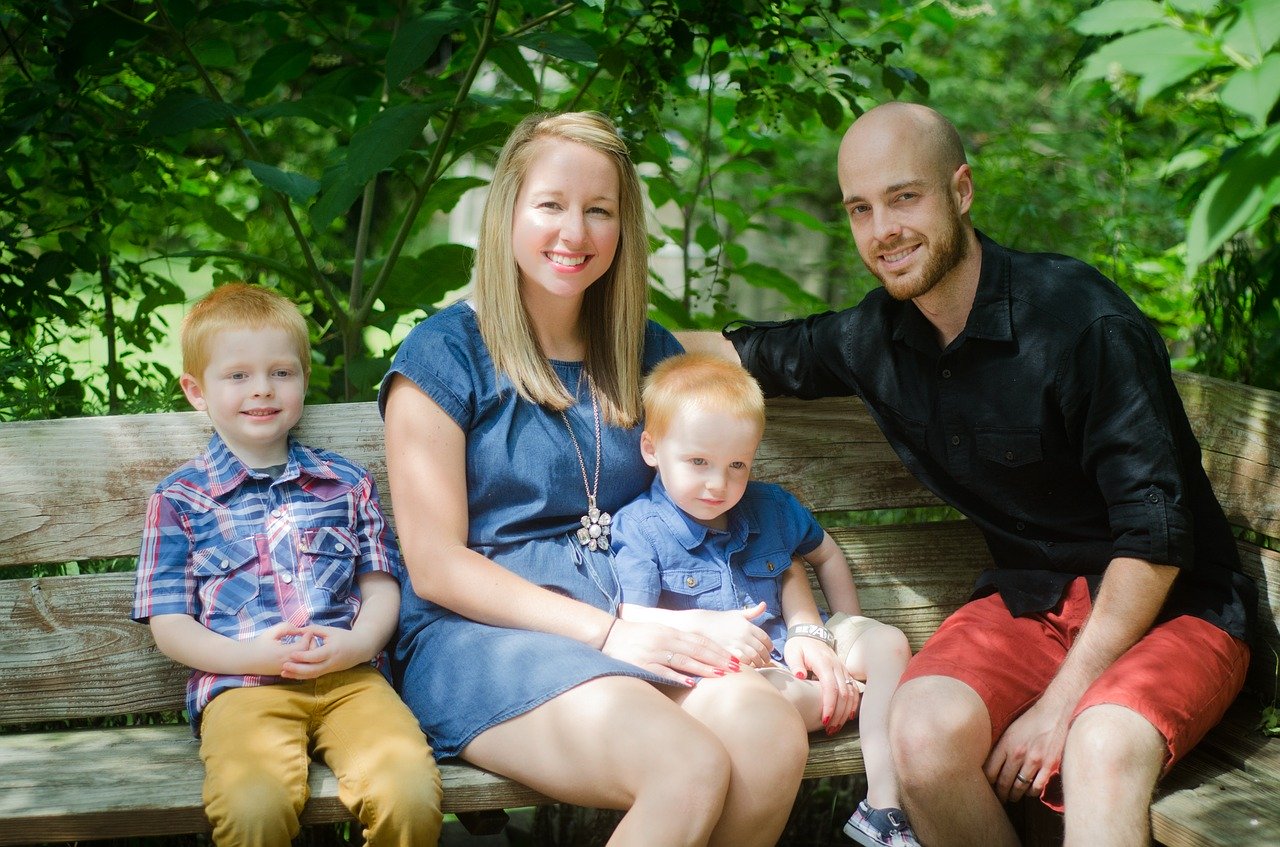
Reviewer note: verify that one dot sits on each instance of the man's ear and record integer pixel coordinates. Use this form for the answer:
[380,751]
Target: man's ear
[647,449]
[962,186]
[191,388]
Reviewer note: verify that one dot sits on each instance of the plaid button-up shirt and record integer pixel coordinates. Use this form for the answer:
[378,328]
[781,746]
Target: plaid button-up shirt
[240,551]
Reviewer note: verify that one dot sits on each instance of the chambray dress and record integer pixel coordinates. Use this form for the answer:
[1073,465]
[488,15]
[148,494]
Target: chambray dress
[526,497]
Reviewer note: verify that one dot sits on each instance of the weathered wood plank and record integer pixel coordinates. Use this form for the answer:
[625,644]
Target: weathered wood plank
[1224,793]
[78,488]
[1239,431]
[71,650]
[146,781]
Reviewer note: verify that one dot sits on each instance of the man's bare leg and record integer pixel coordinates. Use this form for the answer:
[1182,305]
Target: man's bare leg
[1110,766]
[940,735]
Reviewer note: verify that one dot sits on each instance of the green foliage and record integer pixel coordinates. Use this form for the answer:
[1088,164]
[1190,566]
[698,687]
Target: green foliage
[316,148]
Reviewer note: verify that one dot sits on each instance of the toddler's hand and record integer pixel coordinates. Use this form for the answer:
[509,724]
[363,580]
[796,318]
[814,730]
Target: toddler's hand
[840,695]
[327,649]
[268,652]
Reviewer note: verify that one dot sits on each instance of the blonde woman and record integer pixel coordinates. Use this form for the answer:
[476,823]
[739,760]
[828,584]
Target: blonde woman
[512,434]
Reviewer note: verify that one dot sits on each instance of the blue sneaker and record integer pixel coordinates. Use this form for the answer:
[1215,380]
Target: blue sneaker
[880,828]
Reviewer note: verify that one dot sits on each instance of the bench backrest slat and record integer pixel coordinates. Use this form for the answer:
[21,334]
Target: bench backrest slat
[77,489]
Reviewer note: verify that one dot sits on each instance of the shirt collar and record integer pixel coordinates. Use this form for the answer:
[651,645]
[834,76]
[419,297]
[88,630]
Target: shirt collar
[688,532]
[227,472]
[991,316]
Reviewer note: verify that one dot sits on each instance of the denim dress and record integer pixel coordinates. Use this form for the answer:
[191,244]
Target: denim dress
[525,496]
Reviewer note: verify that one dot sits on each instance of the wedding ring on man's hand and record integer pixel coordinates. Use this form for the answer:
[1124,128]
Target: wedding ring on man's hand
[851,683]
[1022,779]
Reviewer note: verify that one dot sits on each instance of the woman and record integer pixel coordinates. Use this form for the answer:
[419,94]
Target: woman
[511,433]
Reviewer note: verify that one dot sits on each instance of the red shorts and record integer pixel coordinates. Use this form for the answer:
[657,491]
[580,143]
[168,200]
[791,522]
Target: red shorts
[1181,676]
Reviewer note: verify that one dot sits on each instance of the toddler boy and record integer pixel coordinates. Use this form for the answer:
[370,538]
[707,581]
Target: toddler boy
[268,568]
[705,538]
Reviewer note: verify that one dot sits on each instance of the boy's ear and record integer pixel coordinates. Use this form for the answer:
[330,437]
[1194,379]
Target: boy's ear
[191,389]
[647,449]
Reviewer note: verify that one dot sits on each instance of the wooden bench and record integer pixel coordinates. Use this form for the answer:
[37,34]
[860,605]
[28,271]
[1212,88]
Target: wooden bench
[75,490]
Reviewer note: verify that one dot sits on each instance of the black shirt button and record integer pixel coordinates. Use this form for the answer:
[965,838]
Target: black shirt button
[1020,526]
[946,373]
[1008,455]
[1153,497]
[955,441]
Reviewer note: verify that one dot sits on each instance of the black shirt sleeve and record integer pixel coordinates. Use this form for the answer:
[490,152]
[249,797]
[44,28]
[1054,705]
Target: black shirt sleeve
[1119,399]
[802,358]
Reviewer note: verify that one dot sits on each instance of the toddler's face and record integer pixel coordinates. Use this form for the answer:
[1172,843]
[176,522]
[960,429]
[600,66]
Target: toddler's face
[704,459]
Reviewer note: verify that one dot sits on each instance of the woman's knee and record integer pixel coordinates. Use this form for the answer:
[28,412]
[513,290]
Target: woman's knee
[748,714]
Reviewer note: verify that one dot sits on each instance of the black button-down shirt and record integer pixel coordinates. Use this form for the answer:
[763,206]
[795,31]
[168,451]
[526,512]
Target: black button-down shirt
[1051,422]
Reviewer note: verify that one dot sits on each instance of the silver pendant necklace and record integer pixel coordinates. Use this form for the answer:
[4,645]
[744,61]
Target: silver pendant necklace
[594,532]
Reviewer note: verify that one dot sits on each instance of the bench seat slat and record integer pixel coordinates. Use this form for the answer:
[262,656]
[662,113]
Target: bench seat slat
[1223,793]
[147,780]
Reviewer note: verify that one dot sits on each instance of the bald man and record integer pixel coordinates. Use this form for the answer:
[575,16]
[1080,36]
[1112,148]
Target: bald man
[1028,391]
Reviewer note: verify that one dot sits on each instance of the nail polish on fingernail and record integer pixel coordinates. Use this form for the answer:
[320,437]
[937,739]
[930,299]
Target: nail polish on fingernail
[719,672]
[799,675]
[826,719]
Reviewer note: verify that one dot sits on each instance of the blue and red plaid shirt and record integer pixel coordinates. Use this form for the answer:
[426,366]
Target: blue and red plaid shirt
[241,552]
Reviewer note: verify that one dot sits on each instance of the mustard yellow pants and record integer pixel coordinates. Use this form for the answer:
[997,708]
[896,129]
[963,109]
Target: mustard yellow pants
[257,743]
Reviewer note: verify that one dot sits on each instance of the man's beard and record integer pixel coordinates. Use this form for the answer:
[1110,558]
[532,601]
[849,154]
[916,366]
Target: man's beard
[945,253]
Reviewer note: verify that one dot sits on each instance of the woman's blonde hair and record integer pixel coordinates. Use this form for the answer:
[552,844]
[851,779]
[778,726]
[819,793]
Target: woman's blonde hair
[615,306]
[699,382]
[238,305]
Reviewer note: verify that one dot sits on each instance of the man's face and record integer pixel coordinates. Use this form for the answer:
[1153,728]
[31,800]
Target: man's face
[903,212]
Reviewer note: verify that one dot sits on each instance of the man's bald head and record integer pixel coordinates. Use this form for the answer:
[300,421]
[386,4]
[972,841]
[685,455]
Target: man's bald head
[902,126]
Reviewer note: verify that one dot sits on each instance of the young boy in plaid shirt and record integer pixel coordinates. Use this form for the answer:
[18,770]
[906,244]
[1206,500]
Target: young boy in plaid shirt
[269,569]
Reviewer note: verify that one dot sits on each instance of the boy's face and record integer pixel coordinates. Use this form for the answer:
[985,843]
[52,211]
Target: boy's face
[704,459]
[252,389]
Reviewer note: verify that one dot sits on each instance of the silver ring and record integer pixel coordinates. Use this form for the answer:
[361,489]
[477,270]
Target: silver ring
[1021,778]
[851,683]
[671,657]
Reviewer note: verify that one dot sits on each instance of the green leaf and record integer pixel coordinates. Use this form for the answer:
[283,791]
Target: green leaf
[1256,29]
[670,311]
[1159,57]
[418,282]
[224,223]
[561,46]
[938,15]
[281,63]
[321,109]
[182,112]
[507,56]
[1234,195]
[215,53]
[661,190]
[799,216]
[416,41]
[1194,7]
[1118,16]
[446,193]
[387,136]
[762,276]
[338,190]
[1254,91]
[830,110]
[296,187]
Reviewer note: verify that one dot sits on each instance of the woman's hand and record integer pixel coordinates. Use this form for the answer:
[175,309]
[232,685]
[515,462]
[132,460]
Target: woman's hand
[840,694]
[671,653]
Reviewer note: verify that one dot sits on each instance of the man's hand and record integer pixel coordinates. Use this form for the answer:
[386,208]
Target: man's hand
[1029,752]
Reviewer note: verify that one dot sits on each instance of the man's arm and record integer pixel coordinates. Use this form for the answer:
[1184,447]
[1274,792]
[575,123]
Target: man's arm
[711,343]
[1132,594]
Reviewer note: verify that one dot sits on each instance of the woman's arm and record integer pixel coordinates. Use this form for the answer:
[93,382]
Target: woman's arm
[426,469]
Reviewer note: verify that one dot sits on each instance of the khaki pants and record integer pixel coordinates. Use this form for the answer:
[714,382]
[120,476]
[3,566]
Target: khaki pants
[257,743]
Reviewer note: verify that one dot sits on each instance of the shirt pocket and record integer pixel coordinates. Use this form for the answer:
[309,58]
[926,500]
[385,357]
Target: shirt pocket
[329,553]
[762,572]
[1009,448]
[227,575]
[691,588]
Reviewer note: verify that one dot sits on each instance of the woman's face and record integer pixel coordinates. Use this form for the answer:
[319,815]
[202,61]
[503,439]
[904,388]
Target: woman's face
[565,227]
